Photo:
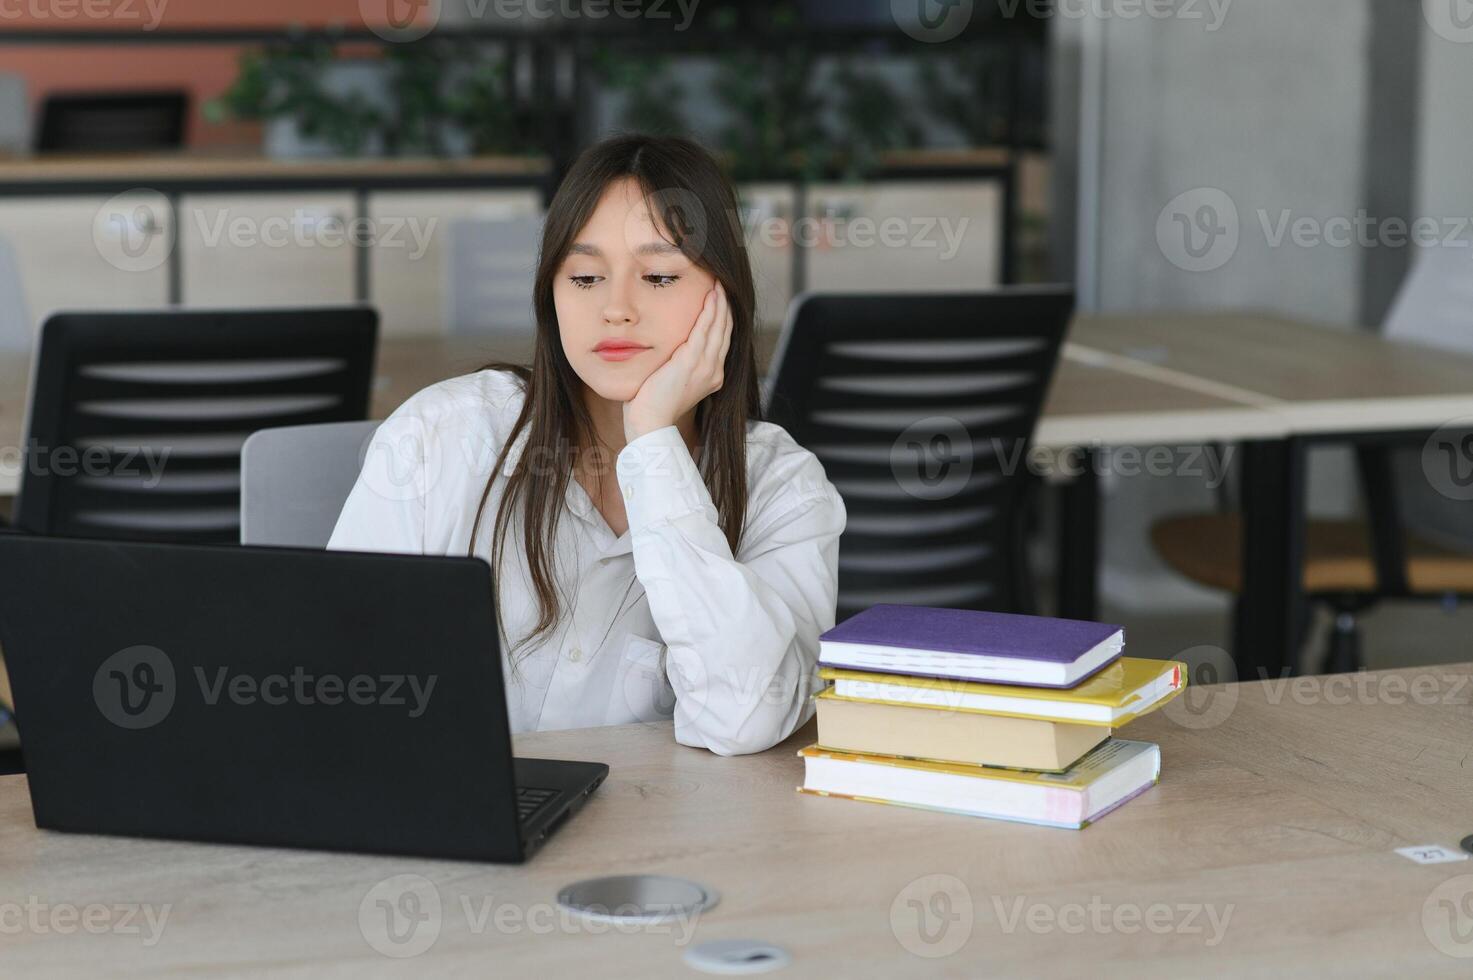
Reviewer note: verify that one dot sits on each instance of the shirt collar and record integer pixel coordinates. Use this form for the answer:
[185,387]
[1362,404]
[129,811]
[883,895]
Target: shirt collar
[577,500]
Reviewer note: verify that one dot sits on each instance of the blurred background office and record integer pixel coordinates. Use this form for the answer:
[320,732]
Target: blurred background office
[1173,157]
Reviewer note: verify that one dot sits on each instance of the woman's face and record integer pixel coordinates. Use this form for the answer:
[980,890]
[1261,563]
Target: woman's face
[623,283]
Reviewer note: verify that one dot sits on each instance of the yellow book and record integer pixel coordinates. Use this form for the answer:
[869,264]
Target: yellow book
[952,736]
[1119,694]
[1116,772]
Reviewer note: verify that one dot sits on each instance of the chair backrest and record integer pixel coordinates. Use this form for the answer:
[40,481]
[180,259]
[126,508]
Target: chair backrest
[136,420]
[922,409]
[15,115]
[112,122]
[295,480]
[16,331]
[1434,308]
[490,273]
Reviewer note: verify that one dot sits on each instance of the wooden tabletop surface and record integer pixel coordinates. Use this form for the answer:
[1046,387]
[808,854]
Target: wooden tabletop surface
[1318,378]
[1269,847]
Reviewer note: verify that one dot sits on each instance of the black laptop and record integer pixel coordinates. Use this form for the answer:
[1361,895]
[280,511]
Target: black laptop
[271,696]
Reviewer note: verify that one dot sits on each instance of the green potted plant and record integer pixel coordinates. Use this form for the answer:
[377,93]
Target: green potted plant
[434,98]
[313,103]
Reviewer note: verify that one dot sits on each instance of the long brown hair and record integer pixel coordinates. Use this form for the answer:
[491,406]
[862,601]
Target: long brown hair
[695,208]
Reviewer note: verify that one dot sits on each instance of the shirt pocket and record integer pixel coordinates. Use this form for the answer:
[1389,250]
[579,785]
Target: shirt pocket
[641,688]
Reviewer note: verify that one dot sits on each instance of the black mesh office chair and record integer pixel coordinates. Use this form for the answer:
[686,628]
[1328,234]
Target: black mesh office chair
[136,419]
[921,409]
[112,122]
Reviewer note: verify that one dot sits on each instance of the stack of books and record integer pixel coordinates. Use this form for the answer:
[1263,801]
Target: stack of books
[991,715]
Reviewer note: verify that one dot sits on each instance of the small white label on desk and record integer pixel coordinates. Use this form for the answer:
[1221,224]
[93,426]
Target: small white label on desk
[1431,854]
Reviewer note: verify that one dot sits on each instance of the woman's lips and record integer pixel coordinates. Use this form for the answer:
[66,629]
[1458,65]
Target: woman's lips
[620,353]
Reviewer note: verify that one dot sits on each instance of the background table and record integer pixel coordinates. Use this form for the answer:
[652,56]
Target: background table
[1279,811]
[1317,378]
[1323,385]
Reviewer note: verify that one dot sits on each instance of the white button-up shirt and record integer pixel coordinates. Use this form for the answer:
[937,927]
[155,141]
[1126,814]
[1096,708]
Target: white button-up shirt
[661,622]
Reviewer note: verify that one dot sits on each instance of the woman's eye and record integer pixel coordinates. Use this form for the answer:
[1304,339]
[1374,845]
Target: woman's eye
[656,280]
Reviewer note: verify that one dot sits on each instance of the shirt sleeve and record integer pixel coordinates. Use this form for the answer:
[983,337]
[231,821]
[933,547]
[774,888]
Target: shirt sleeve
[742,636]
[385,511]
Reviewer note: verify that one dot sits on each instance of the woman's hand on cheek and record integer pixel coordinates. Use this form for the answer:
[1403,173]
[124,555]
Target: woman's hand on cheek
[693,372]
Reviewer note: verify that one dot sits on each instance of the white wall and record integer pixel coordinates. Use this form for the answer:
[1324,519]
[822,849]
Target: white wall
[1270,108]
[1445,171]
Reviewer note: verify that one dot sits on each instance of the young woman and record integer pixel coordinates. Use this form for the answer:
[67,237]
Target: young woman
[655,544]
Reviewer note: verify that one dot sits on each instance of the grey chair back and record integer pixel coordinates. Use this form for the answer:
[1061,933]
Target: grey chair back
[922,409]
[490,273]
[15,115]
[17,333]
[294,481]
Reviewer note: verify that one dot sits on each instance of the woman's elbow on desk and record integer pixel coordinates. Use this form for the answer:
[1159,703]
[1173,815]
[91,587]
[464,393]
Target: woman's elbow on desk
[741,712]
[748,739]
[745,678]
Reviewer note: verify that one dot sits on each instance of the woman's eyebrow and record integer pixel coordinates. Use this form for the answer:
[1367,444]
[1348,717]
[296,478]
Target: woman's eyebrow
[648,248]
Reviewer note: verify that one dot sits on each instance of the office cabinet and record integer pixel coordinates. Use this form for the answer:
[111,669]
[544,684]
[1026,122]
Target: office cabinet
[409,260]
[903,235]
[767,222]
[89,251]
[268,249]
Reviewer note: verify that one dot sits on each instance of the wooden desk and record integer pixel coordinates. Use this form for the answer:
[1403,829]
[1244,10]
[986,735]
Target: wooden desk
[1323,384]
[1102,400]
[1317,378]
[1277,813]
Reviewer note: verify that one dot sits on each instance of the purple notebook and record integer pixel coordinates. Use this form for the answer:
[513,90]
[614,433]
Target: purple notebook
[964,644]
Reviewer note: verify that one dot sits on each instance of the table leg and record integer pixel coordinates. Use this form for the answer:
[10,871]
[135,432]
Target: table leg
[1079,542]
[1273,559]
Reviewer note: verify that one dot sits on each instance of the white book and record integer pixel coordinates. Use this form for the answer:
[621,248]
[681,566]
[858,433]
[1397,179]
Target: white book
[1116,772]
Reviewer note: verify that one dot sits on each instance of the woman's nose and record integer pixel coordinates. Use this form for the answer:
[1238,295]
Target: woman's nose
[619,310]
